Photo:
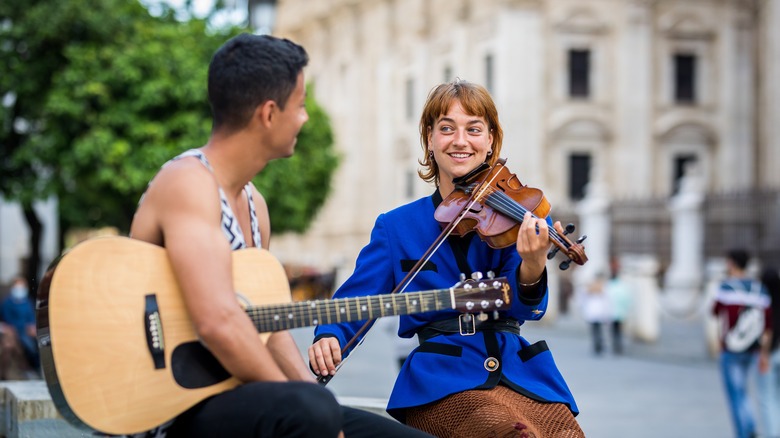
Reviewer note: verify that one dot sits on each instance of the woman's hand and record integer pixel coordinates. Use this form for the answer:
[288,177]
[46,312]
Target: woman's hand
[533,242]
[324,356]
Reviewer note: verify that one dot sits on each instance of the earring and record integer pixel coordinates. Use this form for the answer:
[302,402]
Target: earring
[489,153]
[430,154]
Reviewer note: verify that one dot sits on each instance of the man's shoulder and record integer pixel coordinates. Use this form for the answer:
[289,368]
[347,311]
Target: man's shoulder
[181,186]
[182,176]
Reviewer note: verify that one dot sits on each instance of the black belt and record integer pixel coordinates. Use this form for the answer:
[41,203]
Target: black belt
[467,324]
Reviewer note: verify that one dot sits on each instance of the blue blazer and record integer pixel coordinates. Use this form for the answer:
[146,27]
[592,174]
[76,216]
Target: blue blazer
[448,364]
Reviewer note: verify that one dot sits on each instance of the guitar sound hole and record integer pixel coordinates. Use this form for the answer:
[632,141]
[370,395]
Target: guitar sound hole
[194,366]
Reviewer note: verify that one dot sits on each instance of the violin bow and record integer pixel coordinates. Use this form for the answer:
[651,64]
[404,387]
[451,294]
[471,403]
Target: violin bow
[479,192]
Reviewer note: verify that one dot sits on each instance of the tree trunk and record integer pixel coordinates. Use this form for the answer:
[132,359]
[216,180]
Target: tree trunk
[34,261]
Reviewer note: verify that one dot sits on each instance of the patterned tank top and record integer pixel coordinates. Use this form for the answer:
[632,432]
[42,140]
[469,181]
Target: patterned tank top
[230,225]
[229,221]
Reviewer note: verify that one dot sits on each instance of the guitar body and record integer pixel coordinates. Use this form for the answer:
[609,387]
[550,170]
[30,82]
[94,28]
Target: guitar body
[98,347]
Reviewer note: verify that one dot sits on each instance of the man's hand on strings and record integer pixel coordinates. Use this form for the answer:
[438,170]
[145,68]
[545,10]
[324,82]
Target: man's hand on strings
[324,356]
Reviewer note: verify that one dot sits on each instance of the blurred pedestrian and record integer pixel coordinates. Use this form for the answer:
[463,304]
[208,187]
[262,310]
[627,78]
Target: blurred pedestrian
[17,310]
[619,296]
[742,306]
[769,360]
[595,307]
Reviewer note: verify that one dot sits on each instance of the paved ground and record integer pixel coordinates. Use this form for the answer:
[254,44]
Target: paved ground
[670,388]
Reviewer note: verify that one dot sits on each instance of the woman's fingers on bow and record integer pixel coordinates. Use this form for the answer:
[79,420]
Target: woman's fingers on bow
[324,356]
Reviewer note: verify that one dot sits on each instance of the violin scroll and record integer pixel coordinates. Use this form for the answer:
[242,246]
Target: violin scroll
[575,252]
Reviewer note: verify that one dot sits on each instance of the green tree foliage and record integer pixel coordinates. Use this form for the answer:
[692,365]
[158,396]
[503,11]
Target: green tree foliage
[104,93]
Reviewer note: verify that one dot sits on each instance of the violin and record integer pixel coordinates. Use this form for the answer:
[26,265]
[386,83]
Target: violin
[492,201]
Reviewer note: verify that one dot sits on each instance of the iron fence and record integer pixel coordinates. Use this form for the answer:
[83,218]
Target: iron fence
[750,220]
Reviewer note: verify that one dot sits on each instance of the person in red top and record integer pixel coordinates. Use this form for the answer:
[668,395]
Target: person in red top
[742,307]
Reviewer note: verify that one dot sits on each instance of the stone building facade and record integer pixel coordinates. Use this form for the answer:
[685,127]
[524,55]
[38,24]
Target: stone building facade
[626,95]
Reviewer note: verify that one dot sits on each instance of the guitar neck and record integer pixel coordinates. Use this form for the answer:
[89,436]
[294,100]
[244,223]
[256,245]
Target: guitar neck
[270,318]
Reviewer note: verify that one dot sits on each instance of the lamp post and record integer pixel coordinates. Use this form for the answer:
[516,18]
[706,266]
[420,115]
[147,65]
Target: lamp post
[261,15]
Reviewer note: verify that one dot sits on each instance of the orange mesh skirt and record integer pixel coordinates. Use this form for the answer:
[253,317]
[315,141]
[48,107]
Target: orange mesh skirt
[494,413]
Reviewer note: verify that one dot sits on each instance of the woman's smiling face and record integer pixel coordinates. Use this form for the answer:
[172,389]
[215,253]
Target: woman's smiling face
[460,142]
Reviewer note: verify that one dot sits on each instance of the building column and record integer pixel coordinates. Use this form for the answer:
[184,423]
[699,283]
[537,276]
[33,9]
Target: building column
[594,218]
[683,279]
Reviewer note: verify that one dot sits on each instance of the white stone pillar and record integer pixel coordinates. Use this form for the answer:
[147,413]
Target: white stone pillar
[593,212]
[639,271]
[683,279]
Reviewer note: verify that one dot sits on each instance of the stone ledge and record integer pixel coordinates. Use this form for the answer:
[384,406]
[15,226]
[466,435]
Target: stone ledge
[27,411]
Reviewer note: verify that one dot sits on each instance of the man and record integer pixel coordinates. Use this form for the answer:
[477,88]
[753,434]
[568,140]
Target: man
[17,311]
[202,205]
[742,307]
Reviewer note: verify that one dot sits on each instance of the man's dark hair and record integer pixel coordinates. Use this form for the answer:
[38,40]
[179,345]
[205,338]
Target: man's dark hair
[249,70]
[739,256]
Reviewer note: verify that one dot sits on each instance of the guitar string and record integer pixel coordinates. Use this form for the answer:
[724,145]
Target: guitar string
[274,315]
[333,308]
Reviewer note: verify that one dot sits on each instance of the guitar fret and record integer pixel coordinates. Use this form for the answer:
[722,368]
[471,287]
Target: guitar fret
[357,308]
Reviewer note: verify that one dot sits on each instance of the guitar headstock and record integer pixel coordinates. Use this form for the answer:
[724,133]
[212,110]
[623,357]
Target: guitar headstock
[481,295]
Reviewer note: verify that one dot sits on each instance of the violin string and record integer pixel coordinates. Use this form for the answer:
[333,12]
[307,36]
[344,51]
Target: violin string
[515,209]
[482,188]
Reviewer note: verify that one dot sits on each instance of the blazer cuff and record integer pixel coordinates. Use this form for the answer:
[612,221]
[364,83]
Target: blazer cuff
[531,295]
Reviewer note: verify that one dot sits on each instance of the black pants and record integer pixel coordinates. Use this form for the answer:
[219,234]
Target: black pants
[597,336]
[617,336]
[290,410]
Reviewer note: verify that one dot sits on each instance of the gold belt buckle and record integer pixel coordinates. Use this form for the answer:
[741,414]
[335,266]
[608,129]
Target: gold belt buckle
[468,318]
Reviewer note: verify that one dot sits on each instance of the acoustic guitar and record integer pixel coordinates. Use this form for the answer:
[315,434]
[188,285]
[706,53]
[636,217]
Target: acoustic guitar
[118,349]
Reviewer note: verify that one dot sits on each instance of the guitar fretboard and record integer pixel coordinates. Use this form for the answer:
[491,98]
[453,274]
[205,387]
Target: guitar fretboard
[270,318]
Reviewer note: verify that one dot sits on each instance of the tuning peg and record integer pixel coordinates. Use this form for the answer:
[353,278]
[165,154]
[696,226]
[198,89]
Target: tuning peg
[462,277]
[476,276]
[491,275]
[495,314]
[583,237]
[554,250]
[482,316]
[565,264]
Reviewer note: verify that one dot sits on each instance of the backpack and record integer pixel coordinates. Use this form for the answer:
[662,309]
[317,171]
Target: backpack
[749,326]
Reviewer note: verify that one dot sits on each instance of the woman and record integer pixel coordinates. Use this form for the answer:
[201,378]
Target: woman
[494,382]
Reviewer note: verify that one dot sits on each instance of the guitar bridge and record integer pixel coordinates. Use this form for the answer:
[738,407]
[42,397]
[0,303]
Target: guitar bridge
[154,335]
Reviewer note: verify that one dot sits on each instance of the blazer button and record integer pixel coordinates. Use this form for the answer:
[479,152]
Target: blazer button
[491,364]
